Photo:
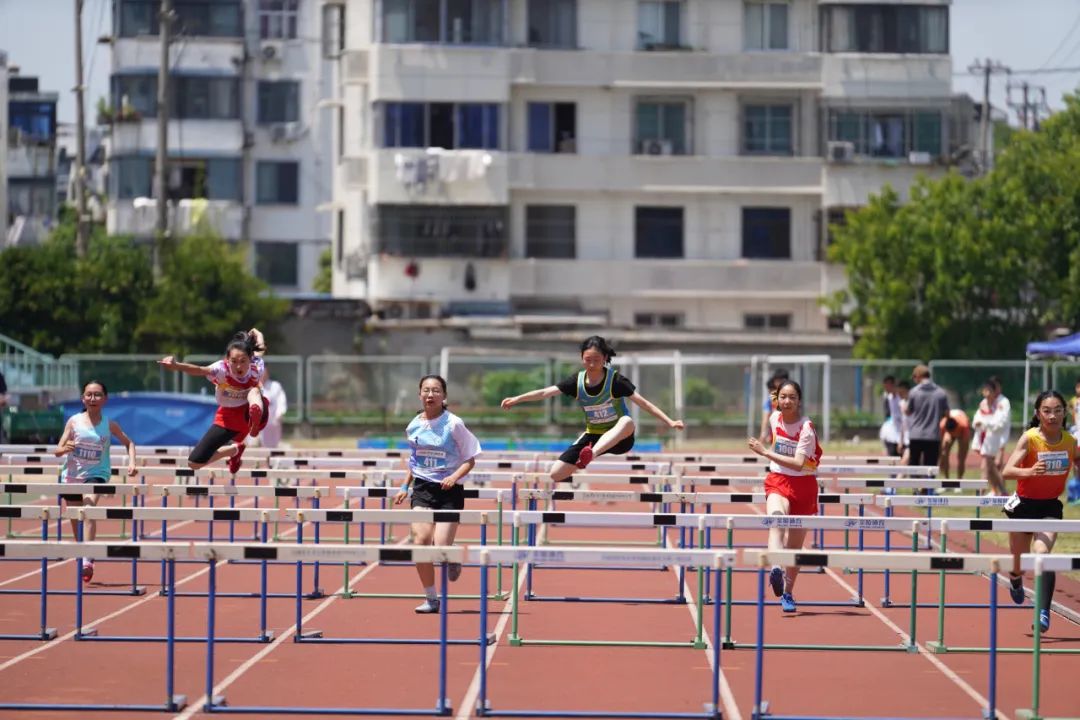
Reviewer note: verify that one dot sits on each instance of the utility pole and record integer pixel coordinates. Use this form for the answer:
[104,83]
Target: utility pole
[1028,108]
[81,232]
[164,28]
[986,68]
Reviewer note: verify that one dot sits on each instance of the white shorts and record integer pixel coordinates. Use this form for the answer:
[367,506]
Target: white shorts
[989,444]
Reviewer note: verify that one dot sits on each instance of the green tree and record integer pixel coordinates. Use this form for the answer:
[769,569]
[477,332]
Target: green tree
[205,294]
[323,281]
[970,269]
[494,386]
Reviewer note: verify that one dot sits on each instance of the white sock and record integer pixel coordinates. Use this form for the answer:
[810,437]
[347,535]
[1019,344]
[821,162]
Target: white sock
[429,593]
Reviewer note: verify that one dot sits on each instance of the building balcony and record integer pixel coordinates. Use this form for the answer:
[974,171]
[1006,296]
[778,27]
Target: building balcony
[667,173]
[670,279]
[138,217]
[31,161]
[203,137]
[442,177]
[483,74]
[888,76]
[396,279]
[213,54]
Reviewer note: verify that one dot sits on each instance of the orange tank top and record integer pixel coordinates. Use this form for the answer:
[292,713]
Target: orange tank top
[1059,460]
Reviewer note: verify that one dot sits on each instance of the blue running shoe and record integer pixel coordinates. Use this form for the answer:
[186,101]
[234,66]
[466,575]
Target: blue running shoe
[1044,621]
[1016,590]
[776,581]
[787,603]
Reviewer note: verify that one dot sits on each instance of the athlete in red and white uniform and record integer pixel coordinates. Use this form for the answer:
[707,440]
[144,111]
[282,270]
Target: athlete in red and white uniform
[791,486]
[242,408]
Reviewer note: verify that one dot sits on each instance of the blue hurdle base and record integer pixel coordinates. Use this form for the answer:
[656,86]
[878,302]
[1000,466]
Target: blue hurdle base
[218,705]
[314,637]
[178,702]
[587,599]
[130,592]
[46,634]
[488,712]
[92,635]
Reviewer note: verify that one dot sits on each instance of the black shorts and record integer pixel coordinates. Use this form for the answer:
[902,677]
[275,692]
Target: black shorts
[212,440]
[924,452]
[570,454]
[431,495]
[84,481]
[1031,509]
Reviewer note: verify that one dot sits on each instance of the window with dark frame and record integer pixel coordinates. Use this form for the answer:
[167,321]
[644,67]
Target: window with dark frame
[766,233]
[444,125]
[276,263]
[658,232]
[767,321]
[452,22]
[552,127]
[279,101]
[552,23]
[278,19]
[765,25]
[868,28]
[441,231]
[277,182]
[550,231]
[662,126]
[768,129]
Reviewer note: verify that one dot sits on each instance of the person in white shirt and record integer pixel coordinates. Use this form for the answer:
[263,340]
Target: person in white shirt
[279,405]
[992,424]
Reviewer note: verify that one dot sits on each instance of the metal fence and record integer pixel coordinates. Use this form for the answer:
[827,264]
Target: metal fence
[711,392]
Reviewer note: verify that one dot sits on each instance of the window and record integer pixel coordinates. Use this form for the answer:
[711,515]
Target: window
[333,30]
[767,129]
[456,22]
[765,25]
[658,232]
[194,18]
[277,183]
[130,176]
[441,231]
[552,127]
[553,23]
[36,120]
[664,320]
[885,28]
[662,127]
[137,92]
[279,101]
[891,134]
[659,24]
[442,125]
[275,263]
[205,98]
[770,321]
[278,19]
[766,233]
[550,231]
[32,198]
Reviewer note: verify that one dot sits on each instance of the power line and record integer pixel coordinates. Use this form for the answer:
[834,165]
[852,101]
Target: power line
[1036,71]
[1065,38]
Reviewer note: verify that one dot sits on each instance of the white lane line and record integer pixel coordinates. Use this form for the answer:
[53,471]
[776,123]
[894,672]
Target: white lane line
[197,705]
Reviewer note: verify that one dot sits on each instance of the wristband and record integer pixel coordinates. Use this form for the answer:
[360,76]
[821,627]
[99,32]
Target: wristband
[405,489]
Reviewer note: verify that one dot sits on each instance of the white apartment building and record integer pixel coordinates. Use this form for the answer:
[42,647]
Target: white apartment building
[649,163]
[248,136]
[30,163]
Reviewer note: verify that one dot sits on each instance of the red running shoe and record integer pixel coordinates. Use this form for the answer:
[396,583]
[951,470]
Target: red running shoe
[255,413]
[585,456]
[87,571]
[234,461]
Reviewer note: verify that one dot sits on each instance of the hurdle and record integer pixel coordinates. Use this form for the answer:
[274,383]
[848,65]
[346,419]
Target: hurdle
[59,490]
[383,493]
[355,554]
[167,552]
[896,561]
[645,557]
[823,471]
[931,501]
[483,518]
[1041,564]
[43,513]
[944,526]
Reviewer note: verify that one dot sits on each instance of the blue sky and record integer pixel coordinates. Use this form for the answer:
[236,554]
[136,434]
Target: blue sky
[38,35]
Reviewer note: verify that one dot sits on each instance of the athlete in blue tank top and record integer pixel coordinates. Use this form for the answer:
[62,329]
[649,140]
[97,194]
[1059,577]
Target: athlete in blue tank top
[87,441]
[602,393]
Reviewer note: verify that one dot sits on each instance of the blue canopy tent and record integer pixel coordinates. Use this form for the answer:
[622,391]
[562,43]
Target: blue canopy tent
[1066,347]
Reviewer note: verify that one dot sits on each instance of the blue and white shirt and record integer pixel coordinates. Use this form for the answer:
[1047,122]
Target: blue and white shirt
[90,458]
[439,446]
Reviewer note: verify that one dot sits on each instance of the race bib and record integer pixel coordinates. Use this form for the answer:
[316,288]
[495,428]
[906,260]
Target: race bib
[87,453]
[598,414]
[785,447]
[1057,461]
[430,458]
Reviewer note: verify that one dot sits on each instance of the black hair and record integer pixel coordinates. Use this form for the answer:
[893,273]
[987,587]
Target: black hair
[88,383]
[246,343]
[888,379]
[906,384]
[993,383]
[781,386]
[950,424]
[442,382]
[600,345]
[1043,396]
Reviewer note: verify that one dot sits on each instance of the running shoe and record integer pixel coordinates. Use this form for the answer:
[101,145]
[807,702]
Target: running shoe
[87,571]
[427,608]
[255,419]
[1016,590]
[234,461]
[776,581]
[1044,621]
[787,603]
[585,456]
[454,571]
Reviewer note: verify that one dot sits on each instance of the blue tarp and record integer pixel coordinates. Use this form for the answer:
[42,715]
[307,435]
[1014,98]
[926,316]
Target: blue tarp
[151,418]
[1062,346]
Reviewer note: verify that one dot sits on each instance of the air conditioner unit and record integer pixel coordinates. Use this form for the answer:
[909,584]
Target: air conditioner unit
[920,158]
[840,152]
[656,147]
[284,132]
[270,51]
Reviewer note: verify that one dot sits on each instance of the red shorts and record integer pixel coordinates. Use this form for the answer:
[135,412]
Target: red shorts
[238,420]
[800,491]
